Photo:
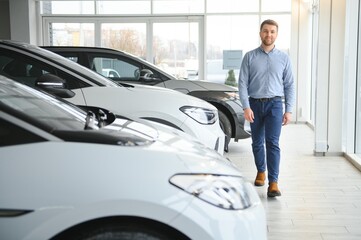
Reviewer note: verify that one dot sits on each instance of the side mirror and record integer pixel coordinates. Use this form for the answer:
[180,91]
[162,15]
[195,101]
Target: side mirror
[147,75]
[54,85]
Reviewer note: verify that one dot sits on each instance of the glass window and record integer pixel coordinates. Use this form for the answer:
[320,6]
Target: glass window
[128,37]
[71,34]
[27,70]
[216,6]
[177,53]
[20,69]
[276,5]
[175,44]
[114,68]
[124,7]
[178,6]
[228,33]
[67,7]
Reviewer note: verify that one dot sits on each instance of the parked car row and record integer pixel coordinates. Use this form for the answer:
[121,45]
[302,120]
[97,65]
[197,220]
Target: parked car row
[70,174]
[40,68]
[82,157]
[123,67]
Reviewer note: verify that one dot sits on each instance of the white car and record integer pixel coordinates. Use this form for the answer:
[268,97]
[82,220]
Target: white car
[133,69]
[32,66]
[59,181]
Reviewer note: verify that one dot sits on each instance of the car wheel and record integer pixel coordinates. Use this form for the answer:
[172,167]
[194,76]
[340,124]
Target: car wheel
[226,127]
[119,231]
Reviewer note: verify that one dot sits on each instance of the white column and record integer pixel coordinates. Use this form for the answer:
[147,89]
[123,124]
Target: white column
[351,61]
[337,52]
[329,83]
[23,23]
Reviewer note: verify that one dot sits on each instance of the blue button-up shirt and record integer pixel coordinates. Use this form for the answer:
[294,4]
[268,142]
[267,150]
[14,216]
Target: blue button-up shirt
[266,75]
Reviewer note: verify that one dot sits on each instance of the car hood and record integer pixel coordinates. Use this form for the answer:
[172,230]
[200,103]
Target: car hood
[213,86]
[146,99]
[96,173]
[147,132]
[128,133]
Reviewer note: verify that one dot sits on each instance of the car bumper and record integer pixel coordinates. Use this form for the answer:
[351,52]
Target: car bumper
[189,215]
[205,221]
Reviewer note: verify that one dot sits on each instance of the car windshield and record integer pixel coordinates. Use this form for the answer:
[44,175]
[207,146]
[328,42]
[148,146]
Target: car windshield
[45,109]
[99,79]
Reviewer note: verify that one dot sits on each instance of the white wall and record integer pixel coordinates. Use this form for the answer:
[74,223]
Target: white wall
[23,25]
[337,51]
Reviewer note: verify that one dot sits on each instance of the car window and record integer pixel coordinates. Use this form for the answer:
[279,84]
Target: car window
[27,70]
[71,56]
[114,68]
[11,134]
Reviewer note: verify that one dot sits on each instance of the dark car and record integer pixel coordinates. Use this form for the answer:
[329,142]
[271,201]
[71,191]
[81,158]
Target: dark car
[132,69]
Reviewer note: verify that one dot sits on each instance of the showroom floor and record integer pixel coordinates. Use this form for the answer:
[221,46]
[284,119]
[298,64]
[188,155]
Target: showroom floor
[321,196]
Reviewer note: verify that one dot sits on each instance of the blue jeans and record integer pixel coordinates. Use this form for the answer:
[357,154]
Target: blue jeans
[266,131]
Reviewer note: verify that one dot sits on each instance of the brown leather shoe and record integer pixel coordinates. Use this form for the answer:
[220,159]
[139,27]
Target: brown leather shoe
[260,178]
[273,190]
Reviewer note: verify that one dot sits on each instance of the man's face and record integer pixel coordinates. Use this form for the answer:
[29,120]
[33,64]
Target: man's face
[268,34]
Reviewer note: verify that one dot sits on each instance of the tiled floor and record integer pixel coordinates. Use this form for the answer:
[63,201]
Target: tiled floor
[321,196]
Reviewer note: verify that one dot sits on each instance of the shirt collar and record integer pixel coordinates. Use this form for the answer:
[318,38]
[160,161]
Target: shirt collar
[274,47]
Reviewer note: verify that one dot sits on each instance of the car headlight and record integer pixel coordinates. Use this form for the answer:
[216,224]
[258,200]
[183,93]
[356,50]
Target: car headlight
[201,115]
[227,192]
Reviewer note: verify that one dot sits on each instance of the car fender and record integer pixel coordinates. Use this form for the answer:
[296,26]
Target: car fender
[57,220]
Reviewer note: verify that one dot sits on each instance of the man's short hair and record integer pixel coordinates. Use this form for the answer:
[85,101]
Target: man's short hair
[269,22]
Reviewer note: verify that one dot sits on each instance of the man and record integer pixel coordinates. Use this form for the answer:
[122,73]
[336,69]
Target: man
[265,78]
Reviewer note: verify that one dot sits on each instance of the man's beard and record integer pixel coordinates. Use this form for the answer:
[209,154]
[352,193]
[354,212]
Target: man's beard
[267,43]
